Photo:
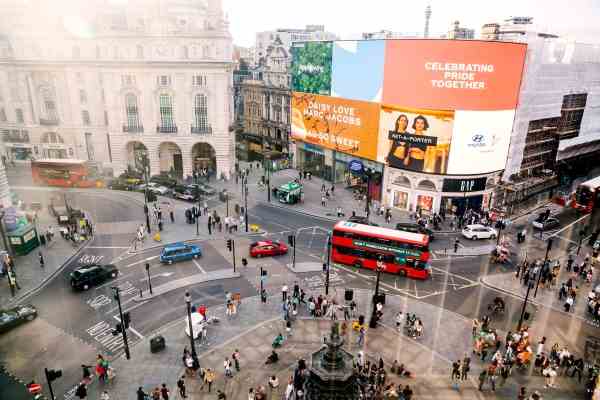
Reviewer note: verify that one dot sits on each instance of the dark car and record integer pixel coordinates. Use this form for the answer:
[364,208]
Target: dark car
[204,189]
[415,228]
[119,184]
[545,224]
[164,180]
[361,220]
[15,316]
[87,276]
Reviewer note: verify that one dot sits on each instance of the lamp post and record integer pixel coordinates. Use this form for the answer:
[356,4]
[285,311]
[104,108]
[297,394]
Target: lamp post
[328,265]
[124,323]
[268,158]
[149,281]
[188,301]
[245,188]
[197,192]
[145,164]
[529,287]
[548,248]
[380,267]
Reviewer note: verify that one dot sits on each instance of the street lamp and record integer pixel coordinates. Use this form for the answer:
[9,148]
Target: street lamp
[380,268]
[548,248]
[328,265]
[529,287]
[145,164]
[188,301]
[268,158]
[245,188]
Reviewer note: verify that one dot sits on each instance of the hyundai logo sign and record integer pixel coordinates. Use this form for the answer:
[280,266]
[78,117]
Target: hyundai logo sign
[355,166]
[477,138]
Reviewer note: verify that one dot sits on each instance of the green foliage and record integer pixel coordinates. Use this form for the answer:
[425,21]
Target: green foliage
[311,67]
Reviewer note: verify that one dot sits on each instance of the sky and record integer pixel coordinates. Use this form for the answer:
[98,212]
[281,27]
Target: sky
[573,19]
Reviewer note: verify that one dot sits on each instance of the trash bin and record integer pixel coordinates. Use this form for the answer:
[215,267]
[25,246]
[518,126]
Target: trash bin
[157,343]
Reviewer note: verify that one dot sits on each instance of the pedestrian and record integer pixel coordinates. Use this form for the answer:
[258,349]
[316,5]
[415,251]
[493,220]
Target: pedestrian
[141,395]
[236,359]
[227,367]
[41,260]
[81,391]
[456,242]
[465,367]
[284,291]
[164,392]
[210,224]
[361,336]
[482,378]
[323,201]
[221,395]
[172,214]
[181,387]
[209,377]
[251,394]
[104,396]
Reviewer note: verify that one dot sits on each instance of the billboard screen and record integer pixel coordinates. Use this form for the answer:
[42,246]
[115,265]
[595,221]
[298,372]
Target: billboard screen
[311,67]
[453,74]
[348,126]
[415,139]
[457,98]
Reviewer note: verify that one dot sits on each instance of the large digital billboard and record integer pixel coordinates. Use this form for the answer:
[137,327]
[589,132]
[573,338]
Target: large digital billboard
[445,106]
[348,126]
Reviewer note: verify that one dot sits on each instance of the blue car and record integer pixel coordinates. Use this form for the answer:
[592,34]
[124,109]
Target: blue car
[179,252]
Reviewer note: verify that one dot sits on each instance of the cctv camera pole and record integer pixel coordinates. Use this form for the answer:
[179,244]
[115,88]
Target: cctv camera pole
[123,329]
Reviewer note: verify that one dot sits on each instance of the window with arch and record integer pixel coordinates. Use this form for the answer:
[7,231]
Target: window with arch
[131,111]
[49,105]
[426,185]
[201,113]
[166,111]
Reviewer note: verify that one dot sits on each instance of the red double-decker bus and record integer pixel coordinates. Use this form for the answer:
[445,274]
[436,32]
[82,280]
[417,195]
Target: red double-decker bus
[402,253]
[63,172]
[587,195]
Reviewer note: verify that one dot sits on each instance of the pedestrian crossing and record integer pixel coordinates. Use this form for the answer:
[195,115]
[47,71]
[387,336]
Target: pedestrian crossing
[102,334]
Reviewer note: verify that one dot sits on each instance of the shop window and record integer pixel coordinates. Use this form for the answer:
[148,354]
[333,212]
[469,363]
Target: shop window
[400,200]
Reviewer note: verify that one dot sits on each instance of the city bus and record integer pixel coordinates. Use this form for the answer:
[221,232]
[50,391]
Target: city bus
[290,193]
[63,173]
[587,195]
[402,253]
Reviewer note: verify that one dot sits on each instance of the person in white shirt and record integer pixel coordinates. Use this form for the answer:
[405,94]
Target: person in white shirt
[284,291]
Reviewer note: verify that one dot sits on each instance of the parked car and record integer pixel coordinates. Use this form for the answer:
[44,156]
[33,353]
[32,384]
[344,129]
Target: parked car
[164,180]
[158,189]
[361,220]
[87,276]
[16,316]
[179,252]
[183,193]
[477,231]
[119,184]
[204,189]
[131,178]
[267,248]
[546,224]
[415,228]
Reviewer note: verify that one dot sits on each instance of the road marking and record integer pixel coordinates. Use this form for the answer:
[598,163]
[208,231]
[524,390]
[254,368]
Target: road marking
[130,328]
[164,274]
[568,226]
[108,247]
[102,333]
[112,282]
[140,261]
[199,266]
[90,258]
[99,301]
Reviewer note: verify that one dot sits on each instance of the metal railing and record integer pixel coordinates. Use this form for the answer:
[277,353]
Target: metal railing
[166,129]
[133,128]
[49,122]
[201,130]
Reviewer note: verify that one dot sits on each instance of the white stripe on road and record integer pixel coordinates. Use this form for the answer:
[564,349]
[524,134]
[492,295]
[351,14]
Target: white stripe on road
[140,261]
[108,247]
[199,266]
[568,226]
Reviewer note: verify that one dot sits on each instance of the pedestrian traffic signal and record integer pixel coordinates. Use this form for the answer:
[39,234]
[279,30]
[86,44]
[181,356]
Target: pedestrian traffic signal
[53,374]
[126,319]
[292,240]
[229,244]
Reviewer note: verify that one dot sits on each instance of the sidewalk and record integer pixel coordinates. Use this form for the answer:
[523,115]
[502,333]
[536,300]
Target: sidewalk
[446,338]
[29,273]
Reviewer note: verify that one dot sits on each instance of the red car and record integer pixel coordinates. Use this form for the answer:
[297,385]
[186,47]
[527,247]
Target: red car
[267,248]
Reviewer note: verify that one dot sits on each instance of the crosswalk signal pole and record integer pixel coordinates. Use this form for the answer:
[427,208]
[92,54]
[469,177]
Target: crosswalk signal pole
[124,324]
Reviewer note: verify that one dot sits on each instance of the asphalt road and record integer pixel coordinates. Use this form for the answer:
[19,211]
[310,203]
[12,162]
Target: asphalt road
[90,316]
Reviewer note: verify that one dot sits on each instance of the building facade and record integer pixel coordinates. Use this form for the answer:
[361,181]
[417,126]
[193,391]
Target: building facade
[118,80]
[460,32]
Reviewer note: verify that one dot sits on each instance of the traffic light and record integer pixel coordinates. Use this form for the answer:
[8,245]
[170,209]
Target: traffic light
[292,240]
[126,320]
[229,244]
[53,374]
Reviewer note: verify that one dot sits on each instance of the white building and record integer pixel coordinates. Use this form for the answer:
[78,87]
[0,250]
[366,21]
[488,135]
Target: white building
[100,81]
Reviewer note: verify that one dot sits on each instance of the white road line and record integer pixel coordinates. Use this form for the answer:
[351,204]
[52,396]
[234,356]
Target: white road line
[107,247]
[140,261]
[571,224]
[199,266]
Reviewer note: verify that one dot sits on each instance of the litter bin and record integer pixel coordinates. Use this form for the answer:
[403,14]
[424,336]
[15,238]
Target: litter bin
[157,343]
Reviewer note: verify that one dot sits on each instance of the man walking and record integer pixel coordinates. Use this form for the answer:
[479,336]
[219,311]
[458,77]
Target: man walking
[210,225]
[164,392]
[284,291]
[456,242]
[236,359]
[41,260]
[361,336]
[181,387]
